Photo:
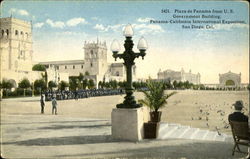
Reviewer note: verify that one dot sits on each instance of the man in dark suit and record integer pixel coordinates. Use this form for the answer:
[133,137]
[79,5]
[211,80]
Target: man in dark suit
[238,115]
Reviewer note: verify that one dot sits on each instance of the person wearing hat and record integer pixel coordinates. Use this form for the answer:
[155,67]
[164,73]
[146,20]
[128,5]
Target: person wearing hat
[238,115]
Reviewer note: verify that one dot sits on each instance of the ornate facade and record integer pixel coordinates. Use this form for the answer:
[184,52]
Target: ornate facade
[230,79]
[95,63]
[183,76]
[16,52]
[16,56]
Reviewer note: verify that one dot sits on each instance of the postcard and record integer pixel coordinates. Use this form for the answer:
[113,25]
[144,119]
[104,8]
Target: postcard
[123,79]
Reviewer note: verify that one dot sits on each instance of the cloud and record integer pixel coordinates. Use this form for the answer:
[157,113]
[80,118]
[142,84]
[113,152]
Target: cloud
[100,27]
[144,20]
[38,25]
[21,12]
[141,28]
[56,24]
[107,28]
[76,21]
[148,28]
[70,33]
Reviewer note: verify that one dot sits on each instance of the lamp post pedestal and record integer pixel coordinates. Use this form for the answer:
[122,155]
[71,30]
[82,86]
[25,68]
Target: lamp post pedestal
[127,124]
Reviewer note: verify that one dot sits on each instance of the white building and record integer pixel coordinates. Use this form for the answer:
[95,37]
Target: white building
[16,56]
[16,52]
[95,63]
[182,76]
[230,79]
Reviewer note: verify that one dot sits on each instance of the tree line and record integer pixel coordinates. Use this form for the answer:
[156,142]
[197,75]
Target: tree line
[26,88]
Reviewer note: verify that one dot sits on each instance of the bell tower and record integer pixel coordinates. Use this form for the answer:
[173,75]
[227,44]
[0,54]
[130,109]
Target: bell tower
[16,45]
[95,57]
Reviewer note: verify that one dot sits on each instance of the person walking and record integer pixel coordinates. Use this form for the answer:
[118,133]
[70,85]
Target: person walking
[42,101]
[54,105]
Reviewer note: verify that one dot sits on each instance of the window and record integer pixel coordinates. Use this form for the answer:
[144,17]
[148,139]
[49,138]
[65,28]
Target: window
[82,66]
[2,32]
[73,66]
[117,73]
[57,67]
[16,32]
[65,67]
[91,64]
[91,53]
[7,31]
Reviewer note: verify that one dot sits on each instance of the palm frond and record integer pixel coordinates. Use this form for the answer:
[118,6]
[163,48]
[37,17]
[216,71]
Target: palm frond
[155,97]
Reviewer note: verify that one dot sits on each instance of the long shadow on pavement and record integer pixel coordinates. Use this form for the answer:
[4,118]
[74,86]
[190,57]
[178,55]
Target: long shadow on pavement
[198,150]
[51,122]
[69,140]
[56,127]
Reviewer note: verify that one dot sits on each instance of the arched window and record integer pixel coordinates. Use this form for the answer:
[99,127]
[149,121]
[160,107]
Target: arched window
[73,66]
[7,32]
[65,67]
[91,64]
[117,73]
[2,32]
[16,32]
[91,54]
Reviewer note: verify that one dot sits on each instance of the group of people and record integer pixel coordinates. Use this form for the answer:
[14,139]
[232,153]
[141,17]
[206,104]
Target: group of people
[65,94]
[54,105]
[239,116]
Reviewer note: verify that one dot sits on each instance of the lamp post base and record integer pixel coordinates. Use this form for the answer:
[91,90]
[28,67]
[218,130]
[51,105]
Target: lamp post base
[129,101]
[122,105]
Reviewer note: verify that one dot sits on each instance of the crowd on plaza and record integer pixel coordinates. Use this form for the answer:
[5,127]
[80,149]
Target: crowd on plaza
[67,94]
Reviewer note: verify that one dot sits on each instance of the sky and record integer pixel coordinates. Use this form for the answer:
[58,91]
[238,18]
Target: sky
[60,29]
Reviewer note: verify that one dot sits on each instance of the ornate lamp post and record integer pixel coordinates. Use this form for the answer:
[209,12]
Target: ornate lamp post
[129,56]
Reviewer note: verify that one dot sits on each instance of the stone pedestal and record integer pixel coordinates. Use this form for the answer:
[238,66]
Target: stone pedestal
[127,124]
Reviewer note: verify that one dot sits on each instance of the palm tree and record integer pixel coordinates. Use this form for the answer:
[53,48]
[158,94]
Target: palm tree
[155,98]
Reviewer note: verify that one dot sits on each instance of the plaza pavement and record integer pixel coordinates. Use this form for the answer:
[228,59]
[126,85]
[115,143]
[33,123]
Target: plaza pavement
[47,136]
[33,135]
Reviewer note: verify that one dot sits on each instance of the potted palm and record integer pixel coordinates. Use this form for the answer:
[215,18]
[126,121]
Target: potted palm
[155,99]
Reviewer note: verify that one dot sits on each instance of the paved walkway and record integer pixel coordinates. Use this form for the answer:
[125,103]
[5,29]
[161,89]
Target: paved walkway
[47,136]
